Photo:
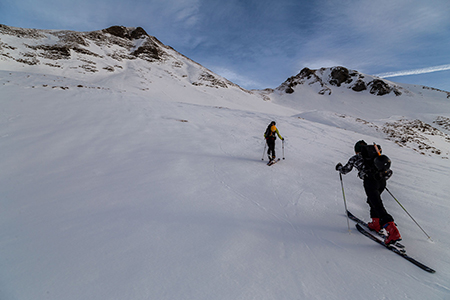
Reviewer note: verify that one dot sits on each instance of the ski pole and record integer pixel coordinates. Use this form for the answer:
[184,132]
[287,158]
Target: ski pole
[407,213]
[345,202]
[264,151]
[283,149]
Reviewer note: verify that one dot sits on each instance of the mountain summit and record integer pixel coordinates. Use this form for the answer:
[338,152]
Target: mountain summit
[324,78]
[101,53]
[44,46]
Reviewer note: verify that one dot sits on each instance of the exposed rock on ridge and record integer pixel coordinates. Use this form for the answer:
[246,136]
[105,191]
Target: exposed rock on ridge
[67,41]
[326,78]
[103,51]
[127,33]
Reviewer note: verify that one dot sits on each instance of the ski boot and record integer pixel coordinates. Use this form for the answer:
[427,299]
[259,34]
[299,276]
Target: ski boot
[374,225]
[393,233]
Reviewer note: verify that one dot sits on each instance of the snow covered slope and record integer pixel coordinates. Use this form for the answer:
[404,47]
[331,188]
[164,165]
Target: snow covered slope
[139,184]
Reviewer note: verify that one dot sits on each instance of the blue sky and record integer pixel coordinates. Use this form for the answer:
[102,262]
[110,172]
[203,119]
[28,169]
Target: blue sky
[260,43]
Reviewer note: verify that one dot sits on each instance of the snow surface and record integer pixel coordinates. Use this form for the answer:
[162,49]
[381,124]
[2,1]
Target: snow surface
[111,191]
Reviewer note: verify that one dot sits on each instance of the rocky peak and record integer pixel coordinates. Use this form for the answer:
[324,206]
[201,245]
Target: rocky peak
[48,47]
[106,51]
[126,33]
[340,75]
[328,79]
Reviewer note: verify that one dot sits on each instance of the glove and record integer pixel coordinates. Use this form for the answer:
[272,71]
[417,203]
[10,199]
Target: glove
[282,139]
[388,174]
[338,167]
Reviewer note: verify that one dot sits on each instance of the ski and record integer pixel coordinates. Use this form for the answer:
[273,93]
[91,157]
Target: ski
[272,162]
[394,249]
[361,222]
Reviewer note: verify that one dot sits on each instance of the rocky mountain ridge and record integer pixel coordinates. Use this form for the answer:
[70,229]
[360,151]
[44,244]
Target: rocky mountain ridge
[337,76]
[108,50]
[103,52]
[325,79]
[52,44]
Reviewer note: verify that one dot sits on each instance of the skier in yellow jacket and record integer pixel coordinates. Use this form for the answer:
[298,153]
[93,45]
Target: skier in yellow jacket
[270,135]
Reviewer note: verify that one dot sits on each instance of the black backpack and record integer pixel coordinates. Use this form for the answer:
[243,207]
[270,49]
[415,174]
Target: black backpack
[269,133]
[369,153]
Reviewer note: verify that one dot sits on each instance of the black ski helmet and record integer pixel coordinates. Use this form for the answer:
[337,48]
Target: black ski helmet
[382,163]
[359,145]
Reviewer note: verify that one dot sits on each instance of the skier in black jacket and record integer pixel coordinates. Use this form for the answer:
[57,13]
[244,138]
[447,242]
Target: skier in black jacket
[374,180]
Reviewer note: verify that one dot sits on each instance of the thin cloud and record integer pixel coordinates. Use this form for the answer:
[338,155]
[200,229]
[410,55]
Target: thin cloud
[414,72]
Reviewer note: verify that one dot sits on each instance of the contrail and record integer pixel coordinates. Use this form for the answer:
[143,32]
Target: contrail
[414,72]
